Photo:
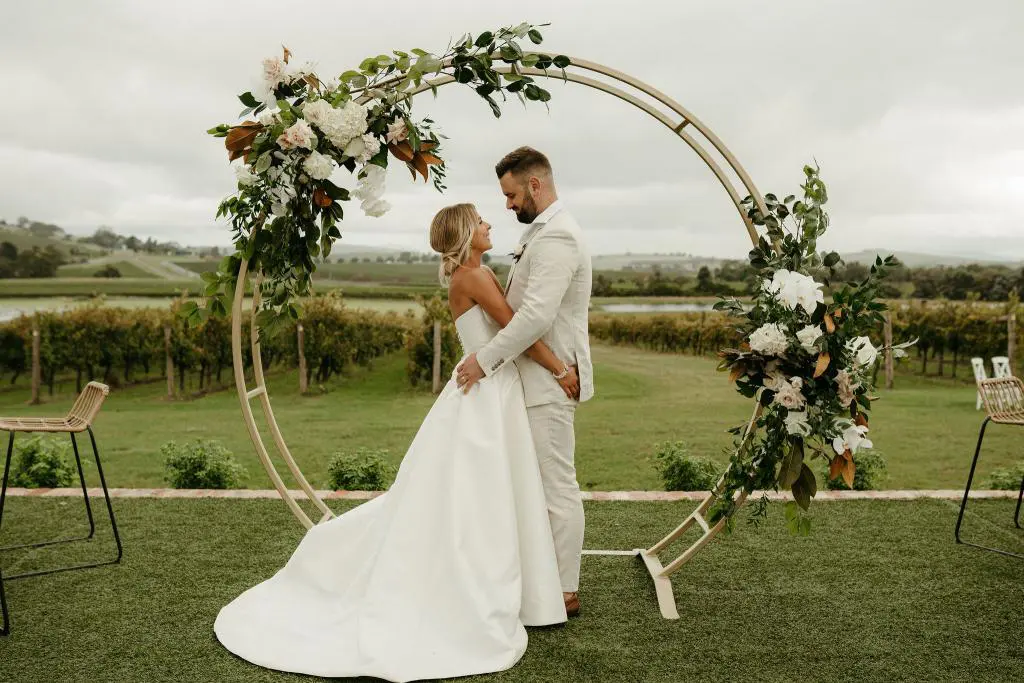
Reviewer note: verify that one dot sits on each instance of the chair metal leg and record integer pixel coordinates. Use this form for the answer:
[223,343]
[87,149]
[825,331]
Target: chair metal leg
[1020,496]
[6,628]
[967,491]
[110,512]
[88,511]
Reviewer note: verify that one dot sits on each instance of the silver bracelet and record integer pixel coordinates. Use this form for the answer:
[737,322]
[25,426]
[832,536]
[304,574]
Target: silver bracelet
[562,374]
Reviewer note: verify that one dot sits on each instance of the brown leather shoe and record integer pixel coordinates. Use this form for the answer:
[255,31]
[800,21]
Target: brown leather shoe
[572,604]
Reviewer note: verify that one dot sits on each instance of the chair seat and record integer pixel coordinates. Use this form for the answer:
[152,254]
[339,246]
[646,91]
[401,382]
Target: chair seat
[43,424]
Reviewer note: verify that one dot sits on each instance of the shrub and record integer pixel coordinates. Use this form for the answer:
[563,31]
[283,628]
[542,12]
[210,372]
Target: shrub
[42,463]
[871,471]
[202,464]
[108,271]
[1007,479]
[364,470]
[682,471]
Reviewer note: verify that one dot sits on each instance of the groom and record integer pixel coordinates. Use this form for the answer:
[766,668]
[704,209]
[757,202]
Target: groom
[549,290]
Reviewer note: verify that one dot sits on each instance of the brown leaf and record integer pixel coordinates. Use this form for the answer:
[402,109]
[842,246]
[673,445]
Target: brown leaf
[420,164]
[321,199]
[737,371]
[430,158]
[830,325]
[402,150]
[861,420]
[822,365]
[849,469]
[239,139]
[287,54]
[835,466]
[838,313]
[312,80]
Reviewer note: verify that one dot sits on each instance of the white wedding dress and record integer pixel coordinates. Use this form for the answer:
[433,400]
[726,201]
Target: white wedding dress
[435,578]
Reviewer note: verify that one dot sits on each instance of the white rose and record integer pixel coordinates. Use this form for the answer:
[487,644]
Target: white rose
[788,396]
[774,381]
[298,135]
[274,70]
[795,289]
[397,131]
[847,388]
[769,339]
[318,166]
[807,336]
[796,423]
[863,351]
[851,439]
[245,176]
[371,184]
[268,118]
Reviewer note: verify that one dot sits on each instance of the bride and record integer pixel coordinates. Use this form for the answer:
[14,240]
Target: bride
[437,577]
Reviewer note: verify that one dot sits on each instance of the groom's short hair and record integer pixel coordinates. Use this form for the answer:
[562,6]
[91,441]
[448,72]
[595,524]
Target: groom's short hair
[522,161]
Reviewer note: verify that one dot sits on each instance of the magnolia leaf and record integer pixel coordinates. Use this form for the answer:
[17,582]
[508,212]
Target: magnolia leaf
[420,164]
[239,139]
[287,54]
[737,371]
[860,419]
[321,198]
[402,150]
[835,466]
[830,325]
[822,364]
[792,465]
[848,471]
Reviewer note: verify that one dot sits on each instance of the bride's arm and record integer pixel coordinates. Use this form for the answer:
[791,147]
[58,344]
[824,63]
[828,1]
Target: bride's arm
[482,287]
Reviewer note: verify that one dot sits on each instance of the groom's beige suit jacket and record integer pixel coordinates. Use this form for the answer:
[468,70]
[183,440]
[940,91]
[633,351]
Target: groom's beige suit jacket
[549,290]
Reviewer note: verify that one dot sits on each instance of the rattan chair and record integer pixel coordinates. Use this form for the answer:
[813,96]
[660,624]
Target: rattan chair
[78,420]
[1004,402]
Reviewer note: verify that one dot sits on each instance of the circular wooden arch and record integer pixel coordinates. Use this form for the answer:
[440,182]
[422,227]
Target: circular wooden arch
[659,106]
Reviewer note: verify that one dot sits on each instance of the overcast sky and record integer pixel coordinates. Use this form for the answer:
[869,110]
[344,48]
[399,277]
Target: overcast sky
[914,110]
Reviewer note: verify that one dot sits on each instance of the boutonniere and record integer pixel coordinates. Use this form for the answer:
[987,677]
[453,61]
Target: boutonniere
[518,253]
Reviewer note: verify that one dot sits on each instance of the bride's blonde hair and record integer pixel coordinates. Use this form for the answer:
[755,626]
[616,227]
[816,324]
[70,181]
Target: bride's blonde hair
[451,235]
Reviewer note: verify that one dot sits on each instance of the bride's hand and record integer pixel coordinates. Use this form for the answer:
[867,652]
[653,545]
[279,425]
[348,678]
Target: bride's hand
[571,383]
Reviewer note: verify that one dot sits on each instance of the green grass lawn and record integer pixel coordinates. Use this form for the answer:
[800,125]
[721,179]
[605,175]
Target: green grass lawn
[926,427]
[877,592]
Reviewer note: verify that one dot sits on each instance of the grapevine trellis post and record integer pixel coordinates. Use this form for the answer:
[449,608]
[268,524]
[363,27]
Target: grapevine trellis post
[684,126]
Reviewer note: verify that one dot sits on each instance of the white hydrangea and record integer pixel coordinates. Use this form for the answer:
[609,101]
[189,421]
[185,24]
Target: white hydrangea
[807,336]
[864,353]
[318,166]
[339,124]
[769,340]
[362,148]
[851,438]
[795,289]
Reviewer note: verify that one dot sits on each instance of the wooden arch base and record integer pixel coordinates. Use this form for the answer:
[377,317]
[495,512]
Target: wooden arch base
[683,125]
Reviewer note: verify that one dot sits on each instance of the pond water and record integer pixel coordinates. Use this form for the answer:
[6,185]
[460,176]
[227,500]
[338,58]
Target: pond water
[677,307]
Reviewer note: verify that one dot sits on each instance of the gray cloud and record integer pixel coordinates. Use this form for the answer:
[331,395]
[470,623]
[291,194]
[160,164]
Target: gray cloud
[911,109]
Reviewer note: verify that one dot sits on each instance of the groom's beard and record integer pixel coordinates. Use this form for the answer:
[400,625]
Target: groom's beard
[528,211]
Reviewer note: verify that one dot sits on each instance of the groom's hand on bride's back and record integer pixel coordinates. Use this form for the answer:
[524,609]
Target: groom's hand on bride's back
[469,373]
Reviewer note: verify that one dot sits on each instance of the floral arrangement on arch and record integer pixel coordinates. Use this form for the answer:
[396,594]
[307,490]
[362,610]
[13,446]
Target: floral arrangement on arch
[306,130]
[807,363]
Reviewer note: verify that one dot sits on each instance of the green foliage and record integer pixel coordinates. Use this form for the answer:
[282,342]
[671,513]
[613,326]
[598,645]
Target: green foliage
[42,462]
[420,343]
[201,464]
[1007,479]
[108,271]
[869,475]
[283,220]
[364,470]
[681,471]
